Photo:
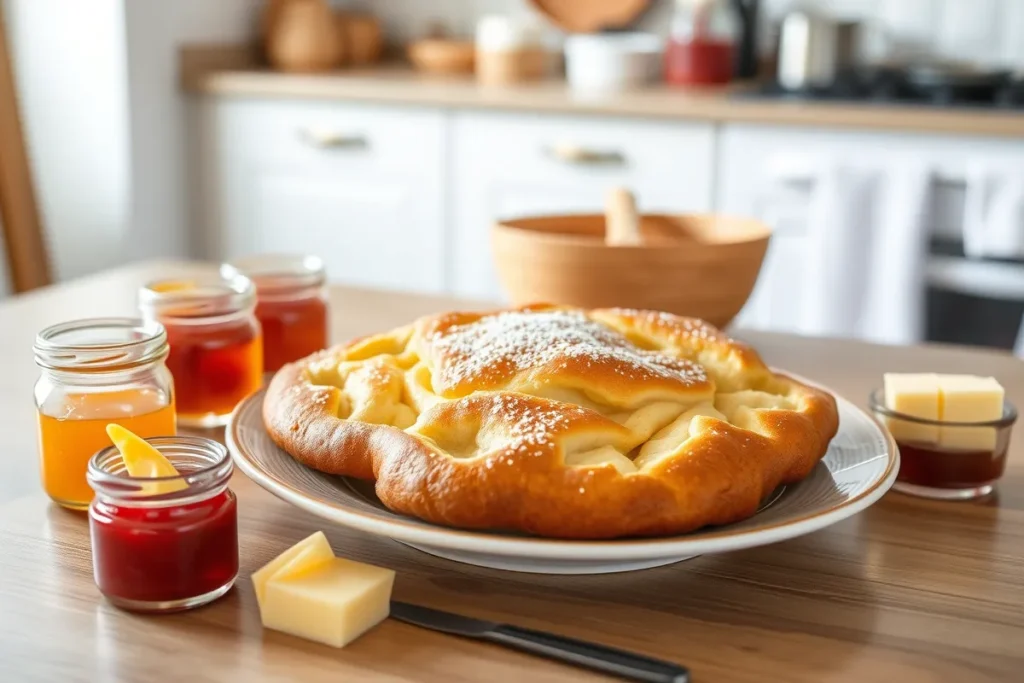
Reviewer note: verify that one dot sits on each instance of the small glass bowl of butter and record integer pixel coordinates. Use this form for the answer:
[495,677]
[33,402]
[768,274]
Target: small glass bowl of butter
[953,432]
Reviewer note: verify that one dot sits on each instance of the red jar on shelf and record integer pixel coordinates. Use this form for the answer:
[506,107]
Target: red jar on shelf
[168,551]
[701,45]
[291,304]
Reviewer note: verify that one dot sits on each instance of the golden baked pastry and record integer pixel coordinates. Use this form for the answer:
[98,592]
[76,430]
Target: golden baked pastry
[554,421]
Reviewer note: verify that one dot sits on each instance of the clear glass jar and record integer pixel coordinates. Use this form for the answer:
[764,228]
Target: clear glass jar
[701,45]
[216,353]
[291,304]
[94,372]
[169,550]
[962,461]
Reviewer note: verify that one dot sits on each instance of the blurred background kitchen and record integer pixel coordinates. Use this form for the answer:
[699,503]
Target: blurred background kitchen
[882,141]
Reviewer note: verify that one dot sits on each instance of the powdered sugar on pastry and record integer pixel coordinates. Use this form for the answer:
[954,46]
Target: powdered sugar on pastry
[489,352]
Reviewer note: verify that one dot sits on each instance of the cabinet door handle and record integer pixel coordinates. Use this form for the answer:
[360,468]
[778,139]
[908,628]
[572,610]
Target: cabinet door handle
[332,139]
[583,156]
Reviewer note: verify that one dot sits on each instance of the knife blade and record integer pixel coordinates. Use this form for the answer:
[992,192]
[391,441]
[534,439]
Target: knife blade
[609,660]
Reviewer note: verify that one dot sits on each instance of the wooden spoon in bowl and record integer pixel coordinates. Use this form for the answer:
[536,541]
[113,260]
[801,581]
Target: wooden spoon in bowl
[622,222]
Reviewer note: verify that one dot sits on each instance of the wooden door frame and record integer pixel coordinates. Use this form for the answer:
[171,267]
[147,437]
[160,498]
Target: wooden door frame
[20,224]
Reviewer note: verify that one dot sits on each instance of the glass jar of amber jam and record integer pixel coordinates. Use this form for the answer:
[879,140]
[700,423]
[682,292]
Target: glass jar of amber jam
[291,304]
[94,372]
[947,460]
[216,353]
[164,549]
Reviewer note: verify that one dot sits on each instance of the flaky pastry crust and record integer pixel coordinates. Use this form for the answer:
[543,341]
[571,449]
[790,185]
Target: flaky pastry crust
[554,421]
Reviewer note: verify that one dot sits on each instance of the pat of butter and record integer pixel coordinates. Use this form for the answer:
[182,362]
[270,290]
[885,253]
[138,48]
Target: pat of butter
[944,398]
[305,554]
[966,398]
[333,603]
[916,395]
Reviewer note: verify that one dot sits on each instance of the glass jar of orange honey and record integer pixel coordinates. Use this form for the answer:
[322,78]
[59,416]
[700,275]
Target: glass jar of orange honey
[94,372]
[291,304]
[216,347]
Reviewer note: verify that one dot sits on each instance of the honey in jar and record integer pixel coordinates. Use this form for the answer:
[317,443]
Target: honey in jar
[94,372]
[216,347]
[291,304]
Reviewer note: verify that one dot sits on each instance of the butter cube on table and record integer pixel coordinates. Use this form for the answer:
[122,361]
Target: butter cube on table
[966,398]
[916,395]
[309,552]
[333,602]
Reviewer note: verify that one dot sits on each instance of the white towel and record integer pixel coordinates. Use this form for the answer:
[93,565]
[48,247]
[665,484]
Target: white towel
[866,254]
[994,211]
[837,252]
[894,307]
[1019,348]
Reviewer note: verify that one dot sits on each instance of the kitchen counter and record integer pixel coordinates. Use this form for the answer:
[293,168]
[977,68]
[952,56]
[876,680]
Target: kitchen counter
[234,72]
[908,590]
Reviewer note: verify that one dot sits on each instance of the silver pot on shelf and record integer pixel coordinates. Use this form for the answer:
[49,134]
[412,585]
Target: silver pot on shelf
[814,49]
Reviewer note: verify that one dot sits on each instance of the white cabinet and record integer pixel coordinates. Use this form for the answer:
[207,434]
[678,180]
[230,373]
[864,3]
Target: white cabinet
[514,165]
[768,172]
[360,186]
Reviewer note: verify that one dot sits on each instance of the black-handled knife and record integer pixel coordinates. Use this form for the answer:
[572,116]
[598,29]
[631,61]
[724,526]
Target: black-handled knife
[607,660]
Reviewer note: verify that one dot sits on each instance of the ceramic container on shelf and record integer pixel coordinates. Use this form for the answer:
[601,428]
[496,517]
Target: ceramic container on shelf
[694,265]
[362,37]
[510,50]
[613,62]
[304,37]
[441,55]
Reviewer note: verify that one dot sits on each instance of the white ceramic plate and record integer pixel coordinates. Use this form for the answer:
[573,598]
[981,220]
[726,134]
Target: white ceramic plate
[860,466]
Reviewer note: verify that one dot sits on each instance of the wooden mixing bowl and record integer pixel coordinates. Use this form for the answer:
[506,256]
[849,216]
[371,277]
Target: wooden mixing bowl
[695,265]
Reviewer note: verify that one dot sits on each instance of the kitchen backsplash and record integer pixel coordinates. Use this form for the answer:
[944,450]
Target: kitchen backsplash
[989,31]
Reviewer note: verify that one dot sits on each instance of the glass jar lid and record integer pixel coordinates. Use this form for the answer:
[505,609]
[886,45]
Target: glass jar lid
[100,345]
[278,273]
[199,298]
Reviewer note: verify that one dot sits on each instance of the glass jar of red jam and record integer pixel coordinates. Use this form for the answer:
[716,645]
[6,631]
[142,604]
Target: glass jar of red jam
[948,460]
[291,304]
[216,346]
[156,551]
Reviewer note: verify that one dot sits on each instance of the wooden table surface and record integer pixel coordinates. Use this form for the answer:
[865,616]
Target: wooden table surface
[909,590]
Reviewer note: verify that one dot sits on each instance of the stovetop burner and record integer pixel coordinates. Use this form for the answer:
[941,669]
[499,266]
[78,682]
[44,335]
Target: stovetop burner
[898,87]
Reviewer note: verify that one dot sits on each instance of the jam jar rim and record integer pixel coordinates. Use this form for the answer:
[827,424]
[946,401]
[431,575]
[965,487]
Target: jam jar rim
[877,404]
[212,295]
[203,482]
[278,273]
[108,356]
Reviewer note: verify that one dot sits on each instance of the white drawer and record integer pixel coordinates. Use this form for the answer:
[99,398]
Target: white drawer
[360,186]
[510,165]
[327,133]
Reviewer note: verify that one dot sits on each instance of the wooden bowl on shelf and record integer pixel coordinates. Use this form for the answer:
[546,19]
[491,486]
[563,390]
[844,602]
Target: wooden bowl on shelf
[442,55]
[694,265]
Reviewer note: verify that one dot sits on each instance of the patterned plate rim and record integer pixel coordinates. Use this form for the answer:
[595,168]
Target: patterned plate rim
[417,531]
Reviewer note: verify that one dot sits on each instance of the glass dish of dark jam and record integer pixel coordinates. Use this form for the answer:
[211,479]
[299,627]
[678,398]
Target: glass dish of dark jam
[964,460]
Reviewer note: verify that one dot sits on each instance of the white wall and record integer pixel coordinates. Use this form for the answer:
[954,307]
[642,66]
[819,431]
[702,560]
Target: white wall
[69,63]
[156,29]
[104,119]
